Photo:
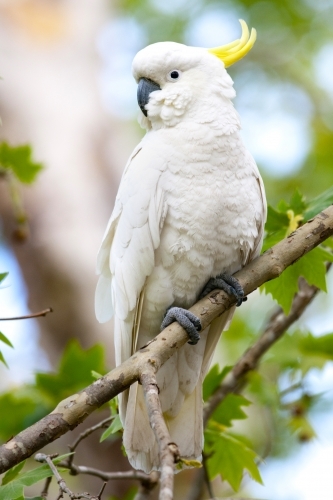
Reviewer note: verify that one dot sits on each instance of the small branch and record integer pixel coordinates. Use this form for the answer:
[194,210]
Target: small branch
[45,491]
[29,316]
[106,476]
[41,457]
[83,435]
[99,496]
[73,410]
[168,451]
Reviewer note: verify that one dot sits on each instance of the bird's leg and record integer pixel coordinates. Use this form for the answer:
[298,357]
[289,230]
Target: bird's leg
[228,284]
[189,321]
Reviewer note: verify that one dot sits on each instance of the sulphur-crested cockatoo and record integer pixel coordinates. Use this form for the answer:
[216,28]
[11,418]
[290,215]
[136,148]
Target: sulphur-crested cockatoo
[190,206]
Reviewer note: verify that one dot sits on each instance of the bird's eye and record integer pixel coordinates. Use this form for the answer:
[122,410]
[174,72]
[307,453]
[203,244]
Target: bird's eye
[174,75]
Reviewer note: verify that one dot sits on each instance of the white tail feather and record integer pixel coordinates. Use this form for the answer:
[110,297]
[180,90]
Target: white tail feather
[185,428]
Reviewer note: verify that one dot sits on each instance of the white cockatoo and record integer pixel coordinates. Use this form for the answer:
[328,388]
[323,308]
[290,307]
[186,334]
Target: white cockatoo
[190,206]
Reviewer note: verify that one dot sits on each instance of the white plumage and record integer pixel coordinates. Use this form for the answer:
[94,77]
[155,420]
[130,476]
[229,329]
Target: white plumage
[190,205]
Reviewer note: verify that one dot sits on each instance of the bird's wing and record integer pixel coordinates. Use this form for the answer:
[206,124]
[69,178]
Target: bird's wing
[126,256]
[261,218]
[251,245]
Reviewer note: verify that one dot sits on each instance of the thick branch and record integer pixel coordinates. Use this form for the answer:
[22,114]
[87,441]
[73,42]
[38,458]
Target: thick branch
[73,410]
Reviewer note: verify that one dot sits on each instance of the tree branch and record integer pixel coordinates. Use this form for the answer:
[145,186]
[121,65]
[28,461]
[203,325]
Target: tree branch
[74,409]
[29,316]
[168,451]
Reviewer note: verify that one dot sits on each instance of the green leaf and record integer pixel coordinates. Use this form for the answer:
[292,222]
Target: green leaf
[74,372]
[318,204]
[302,427]
[322,346]
[113,403]
[213,379]
[114,427]
[283,288]
[311,266]
[26,407]
[4,339]
[3,276]
[11,491]
[273,238]
[12,473]
[229,457]
[18,160]
[2,359]
[297,352]
[230,409]
[275,220]
[14,489]
[297,203]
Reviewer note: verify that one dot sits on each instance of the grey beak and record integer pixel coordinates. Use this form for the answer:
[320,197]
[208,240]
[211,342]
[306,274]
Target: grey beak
[145,87]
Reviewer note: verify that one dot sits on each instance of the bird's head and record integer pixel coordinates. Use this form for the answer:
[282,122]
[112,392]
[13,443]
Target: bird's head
[174,79]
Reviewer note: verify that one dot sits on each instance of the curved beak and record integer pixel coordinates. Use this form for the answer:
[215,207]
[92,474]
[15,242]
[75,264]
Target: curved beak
[145,87]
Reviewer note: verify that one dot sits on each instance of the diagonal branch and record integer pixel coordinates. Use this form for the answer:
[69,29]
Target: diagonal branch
[76,408]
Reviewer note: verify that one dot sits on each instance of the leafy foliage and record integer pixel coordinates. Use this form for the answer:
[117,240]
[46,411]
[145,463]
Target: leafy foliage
[229,457]
[3,276]
[116,424]
[15,481]
[221,447]
[74,372]
[31,402]
[17,159]
[281,222]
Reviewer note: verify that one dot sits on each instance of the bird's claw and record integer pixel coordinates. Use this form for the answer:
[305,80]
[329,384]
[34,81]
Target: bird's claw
[189,321]
[228,284]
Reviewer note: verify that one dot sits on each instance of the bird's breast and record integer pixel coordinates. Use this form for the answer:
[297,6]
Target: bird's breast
[213,204]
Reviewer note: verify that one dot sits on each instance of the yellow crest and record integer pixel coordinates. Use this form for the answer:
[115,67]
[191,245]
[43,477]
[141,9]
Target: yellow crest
[234,51]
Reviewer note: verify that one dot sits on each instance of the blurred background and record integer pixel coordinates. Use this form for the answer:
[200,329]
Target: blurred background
[67,90]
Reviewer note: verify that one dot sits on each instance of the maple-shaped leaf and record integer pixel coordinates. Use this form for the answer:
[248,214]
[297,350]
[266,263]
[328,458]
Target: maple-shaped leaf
[18,160]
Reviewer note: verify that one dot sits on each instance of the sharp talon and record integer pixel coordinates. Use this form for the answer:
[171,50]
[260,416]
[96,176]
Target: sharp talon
[189,321]
[228,284]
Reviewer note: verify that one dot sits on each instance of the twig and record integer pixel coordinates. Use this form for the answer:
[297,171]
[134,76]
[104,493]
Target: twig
[106,476]
[99,496]
[29,316]
[83,435]
[73,410]
[45,491]
[41,457]
[168,451]
[147,481]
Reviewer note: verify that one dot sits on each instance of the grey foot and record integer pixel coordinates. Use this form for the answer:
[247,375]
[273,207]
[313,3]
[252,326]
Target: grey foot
[189,321]
[228,284]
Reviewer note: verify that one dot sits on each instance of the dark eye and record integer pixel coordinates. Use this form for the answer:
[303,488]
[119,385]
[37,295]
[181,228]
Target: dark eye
[174,75]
